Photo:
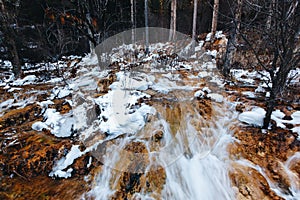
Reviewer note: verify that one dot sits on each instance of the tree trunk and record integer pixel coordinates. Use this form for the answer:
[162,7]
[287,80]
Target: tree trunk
[91,44]
[161,13]
[232,41]
[194,25]
[195,19]
[147,28]
[270,107]
[270,14]
[288,53]
[132,22]
[214,20]
[16,60]
[173,20]
[10,36]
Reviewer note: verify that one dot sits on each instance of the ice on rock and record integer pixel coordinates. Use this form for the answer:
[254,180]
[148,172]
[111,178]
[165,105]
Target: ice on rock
[199,94]
[65,162]
[249,94]
[216,97]
[59,125]
[39,126]
[6,103]
[259,89]
[61,92]
[138,82]
[206,89]
[25,81]
[212,53]
[119,114]
[254,117]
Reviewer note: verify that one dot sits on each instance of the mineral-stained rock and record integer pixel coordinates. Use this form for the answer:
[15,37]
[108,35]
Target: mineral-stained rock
[204,107]
[267,150]
[158,135]
[18,117]
[27,157]
[240,107]
[135,178]
[103,84]
[251,184]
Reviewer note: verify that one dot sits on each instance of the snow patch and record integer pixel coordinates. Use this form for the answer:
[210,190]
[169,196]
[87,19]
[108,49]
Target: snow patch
[59,125]
[64,162]
[30,79]
[199,94]
[249,94]
[260,89]
[120,115]
[60,92]
[296,130]
[216,97]
[90,59]
[5,105]
[254,117]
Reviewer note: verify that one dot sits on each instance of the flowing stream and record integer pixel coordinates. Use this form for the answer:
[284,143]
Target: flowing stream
[180,149]
[164,133]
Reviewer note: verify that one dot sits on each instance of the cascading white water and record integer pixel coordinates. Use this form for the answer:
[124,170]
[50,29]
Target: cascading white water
[161,133]
[293,192]
[204,174]
[192,150]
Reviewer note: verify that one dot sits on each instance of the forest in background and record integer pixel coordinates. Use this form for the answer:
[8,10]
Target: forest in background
[261,34]
[46,30]
[249,73]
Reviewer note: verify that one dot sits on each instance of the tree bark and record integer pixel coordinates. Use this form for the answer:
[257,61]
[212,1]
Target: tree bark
[270,107]
[91,44]
[132,22]
[10,35]
[270,14]
[232,41]
[173,20]
[195,19]
[147,28]
[214,20]
[194,25]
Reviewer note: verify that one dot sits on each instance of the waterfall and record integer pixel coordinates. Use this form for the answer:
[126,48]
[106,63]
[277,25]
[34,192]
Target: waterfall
[176,150]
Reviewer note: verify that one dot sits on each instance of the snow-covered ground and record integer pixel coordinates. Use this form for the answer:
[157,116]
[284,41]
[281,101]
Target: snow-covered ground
[120,109]
[125,108]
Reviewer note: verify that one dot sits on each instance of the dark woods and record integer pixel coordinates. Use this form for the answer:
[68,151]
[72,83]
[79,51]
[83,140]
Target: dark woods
[263,34]
[39,30]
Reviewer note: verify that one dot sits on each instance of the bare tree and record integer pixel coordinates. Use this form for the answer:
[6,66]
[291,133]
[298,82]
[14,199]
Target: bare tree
[173,19]
[232,41]
[271,8]
[274,46]
[282,38]
[214,19]
[132,2]
[194,25]
[146,25]
[195,19]
[8,21]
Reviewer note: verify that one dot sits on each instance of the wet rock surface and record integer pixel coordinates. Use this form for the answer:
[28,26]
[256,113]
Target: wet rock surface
[267,151]
[27,156]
